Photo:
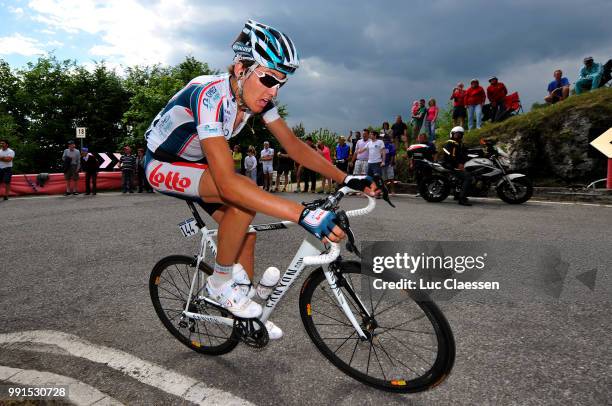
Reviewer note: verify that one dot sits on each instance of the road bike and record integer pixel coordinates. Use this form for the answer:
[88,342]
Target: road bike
[396,341]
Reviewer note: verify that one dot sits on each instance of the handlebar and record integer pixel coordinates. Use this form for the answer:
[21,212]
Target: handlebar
[331,203]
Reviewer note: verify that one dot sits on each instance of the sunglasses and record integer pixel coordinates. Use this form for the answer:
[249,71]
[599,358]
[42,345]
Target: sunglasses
[270,80]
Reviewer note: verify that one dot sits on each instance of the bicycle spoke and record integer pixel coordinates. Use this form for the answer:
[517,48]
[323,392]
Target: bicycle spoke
[379,300]
[379,364]
[170,293]
[395,358]
[175,284]
[170,298]
[391,307]
[334,302]
[408,321]
[329,317]
[409,348]
[344,342]
[187,283]
[369,355]
[354,349]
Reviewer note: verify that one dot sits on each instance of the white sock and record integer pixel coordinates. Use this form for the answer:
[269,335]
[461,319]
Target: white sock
[222,273]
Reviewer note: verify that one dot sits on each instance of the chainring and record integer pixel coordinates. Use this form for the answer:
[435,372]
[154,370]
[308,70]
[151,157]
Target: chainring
[251,332]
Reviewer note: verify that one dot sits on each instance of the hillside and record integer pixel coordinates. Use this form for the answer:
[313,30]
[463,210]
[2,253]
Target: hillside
[552,142]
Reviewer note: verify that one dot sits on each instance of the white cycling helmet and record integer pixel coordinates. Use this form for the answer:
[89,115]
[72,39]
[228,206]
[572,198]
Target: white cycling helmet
[457,129]
[267,47]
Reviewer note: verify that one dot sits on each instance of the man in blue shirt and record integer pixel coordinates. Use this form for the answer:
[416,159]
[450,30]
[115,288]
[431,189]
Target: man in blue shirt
[343,152]
[558,89]
[590,76]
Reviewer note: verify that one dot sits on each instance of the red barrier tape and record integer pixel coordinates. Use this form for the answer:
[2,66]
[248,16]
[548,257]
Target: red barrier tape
[26,184]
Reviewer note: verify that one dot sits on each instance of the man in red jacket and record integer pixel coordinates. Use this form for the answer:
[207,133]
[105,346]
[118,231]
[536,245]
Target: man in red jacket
[496,92]
[474,99]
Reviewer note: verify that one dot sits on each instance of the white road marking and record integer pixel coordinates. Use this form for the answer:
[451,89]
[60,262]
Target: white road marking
[146,372]
[79,393]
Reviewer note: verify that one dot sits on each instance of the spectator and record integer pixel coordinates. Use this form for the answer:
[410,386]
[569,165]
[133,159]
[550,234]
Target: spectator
[459,113]
[237,156]
[388,172]
[558,89]
[285,164]
[326,153]
[428,152]
[89,165]
[430,120]
[266,158]
[474,99]
[360,155]
[375,149]
[398,130]
[127,164]
[353,143]
[590,76]
[6,166]
[72,165]
[496,92]
[250,164]
[418,118]
[143,182]
[343,152]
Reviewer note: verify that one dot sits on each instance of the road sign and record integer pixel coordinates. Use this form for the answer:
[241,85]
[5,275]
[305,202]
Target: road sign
[109,162]
[604,144]
[80,132]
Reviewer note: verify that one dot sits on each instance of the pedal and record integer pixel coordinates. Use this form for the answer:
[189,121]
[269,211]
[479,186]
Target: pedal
[251,332]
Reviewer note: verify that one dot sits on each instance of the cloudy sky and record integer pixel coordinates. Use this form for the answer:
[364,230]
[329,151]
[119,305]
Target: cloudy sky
[363,62]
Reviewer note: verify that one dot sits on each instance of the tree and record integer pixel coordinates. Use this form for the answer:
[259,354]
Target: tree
[150,89]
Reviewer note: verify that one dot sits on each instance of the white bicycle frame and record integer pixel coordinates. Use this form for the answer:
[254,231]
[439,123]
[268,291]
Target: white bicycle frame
[310,252]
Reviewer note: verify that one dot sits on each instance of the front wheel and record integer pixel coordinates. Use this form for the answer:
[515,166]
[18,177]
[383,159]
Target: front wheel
[523,190]
[409,345]
[434,188]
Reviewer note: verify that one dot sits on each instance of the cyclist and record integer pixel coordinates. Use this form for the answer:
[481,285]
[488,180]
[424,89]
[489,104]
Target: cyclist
[189,157]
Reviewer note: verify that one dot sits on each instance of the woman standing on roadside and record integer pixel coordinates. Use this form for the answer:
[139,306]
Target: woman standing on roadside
[430,120]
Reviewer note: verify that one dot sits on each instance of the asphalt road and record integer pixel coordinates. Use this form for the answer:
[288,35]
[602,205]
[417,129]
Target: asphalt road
[80,265]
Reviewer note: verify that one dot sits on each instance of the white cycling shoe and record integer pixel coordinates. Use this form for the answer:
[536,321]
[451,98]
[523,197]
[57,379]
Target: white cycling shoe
[244,283]
[230,296]
[274,332]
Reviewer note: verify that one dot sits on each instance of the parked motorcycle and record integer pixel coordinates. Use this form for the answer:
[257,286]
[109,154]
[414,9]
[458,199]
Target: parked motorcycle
[489,167]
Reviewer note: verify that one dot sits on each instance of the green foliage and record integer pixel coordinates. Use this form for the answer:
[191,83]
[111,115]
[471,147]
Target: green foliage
[329,138]
[149,89]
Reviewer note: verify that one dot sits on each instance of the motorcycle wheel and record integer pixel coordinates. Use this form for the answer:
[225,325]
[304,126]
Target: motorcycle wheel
[434,188]
[524,191]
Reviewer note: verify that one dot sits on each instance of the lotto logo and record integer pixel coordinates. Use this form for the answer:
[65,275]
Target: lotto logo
[171,180]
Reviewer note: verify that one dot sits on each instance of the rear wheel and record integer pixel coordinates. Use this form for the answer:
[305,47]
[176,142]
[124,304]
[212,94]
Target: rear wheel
[434,188]
[524,190]
[169,285]
[409,345]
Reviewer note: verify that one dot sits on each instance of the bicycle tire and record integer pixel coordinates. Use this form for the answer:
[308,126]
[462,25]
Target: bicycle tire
[433,376]
[177,295]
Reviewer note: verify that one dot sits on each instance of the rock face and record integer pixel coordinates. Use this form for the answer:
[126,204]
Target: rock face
[553,141]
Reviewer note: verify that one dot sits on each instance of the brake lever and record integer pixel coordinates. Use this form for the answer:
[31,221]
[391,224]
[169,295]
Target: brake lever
[385,192]
[343,222]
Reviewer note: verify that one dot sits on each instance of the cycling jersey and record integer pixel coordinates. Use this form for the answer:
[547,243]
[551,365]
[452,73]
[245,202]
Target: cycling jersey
[205,108]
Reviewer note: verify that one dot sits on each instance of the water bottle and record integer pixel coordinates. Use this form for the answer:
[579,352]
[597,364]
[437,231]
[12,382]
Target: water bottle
[267,282]
[242,280]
